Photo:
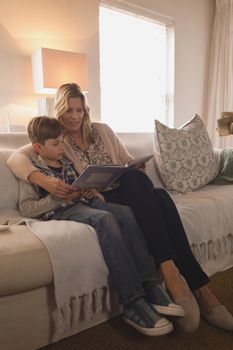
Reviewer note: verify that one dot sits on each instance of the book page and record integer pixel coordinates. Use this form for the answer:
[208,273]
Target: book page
[98,176]
[137,162]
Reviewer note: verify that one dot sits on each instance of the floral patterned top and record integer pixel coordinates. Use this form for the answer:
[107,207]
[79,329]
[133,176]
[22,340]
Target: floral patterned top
[95,154]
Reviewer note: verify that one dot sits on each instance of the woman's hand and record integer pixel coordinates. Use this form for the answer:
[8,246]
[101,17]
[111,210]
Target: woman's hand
[142,167]
[53,185]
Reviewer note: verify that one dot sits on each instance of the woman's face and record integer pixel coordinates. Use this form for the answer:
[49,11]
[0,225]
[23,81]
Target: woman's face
[73,117]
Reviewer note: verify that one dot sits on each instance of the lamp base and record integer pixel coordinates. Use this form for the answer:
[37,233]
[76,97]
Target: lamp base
[45,106]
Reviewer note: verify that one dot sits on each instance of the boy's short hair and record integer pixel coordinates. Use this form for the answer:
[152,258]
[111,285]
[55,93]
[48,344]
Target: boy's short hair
[43,128]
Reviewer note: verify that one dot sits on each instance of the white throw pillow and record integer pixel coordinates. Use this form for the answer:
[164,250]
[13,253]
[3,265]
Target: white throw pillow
[184,156]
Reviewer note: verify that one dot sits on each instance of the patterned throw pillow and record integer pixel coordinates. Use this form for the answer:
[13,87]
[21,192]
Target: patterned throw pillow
[185,156]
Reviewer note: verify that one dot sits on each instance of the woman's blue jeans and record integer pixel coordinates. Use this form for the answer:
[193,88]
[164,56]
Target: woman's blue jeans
[122,243]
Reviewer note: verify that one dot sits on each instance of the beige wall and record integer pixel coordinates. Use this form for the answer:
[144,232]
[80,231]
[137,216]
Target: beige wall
[26,25]
[72,25]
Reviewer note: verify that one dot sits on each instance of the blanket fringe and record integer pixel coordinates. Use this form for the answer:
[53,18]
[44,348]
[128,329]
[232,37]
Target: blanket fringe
[81,307]
[98,302]
[85,307]
[213,250]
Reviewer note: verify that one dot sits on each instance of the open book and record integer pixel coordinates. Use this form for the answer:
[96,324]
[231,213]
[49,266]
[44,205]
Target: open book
[137,162]
[102,176]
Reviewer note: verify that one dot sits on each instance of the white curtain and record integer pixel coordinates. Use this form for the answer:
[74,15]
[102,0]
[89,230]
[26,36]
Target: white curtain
[220,90]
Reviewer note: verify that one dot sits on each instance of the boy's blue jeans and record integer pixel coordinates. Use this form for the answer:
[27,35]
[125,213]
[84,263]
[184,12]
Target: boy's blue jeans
[122,243]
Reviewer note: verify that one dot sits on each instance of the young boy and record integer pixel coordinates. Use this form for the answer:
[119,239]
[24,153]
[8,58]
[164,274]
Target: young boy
[130,266]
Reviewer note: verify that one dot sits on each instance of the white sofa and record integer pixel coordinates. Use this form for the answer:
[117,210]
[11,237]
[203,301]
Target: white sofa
[27,304]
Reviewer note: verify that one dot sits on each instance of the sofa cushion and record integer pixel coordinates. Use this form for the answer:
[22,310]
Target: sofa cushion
[185,156]
[8,184]
[13,140]
[24,262]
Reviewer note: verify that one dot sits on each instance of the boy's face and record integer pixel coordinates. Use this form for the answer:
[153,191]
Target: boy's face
[52,149]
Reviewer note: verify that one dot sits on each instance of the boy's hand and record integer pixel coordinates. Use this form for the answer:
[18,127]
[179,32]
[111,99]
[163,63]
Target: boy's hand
[85,193]
[77,193]
[58,188]
[98,194]
[53,185]
[88,194]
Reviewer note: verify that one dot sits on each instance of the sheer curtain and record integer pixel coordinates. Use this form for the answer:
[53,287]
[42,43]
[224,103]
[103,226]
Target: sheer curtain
[220,91]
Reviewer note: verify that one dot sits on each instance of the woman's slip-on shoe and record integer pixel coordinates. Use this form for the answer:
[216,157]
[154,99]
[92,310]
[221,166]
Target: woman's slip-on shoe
[190,322]
[220,318]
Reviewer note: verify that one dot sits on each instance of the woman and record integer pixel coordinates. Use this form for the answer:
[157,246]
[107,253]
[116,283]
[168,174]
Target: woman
[90,143]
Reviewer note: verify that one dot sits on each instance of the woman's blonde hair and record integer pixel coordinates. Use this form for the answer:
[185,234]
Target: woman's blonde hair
[63,94]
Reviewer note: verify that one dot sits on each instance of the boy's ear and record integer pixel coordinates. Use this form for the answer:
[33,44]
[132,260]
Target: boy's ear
[37,147]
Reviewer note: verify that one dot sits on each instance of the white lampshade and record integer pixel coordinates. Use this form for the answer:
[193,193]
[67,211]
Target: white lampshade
[52,68]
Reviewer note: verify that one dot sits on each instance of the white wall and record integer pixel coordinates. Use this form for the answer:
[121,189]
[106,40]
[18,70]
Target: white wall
[72,25]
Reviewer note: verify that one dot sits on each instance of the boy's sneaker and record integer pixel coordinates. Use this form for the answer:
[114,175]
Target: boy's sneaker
[144,318]
[158,297]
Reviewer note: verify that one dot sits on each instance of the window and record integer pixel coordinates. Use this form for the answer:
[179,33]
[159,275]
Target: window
[136,67]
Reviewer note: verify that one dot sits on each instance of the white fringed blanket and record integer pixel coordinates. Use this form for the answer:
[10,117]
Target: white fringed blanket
[78,266]
[207,216]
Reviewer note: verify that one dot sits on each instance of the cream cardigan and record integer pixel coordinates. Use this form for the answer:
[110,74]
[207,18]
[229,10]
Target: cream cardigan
[20,160]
